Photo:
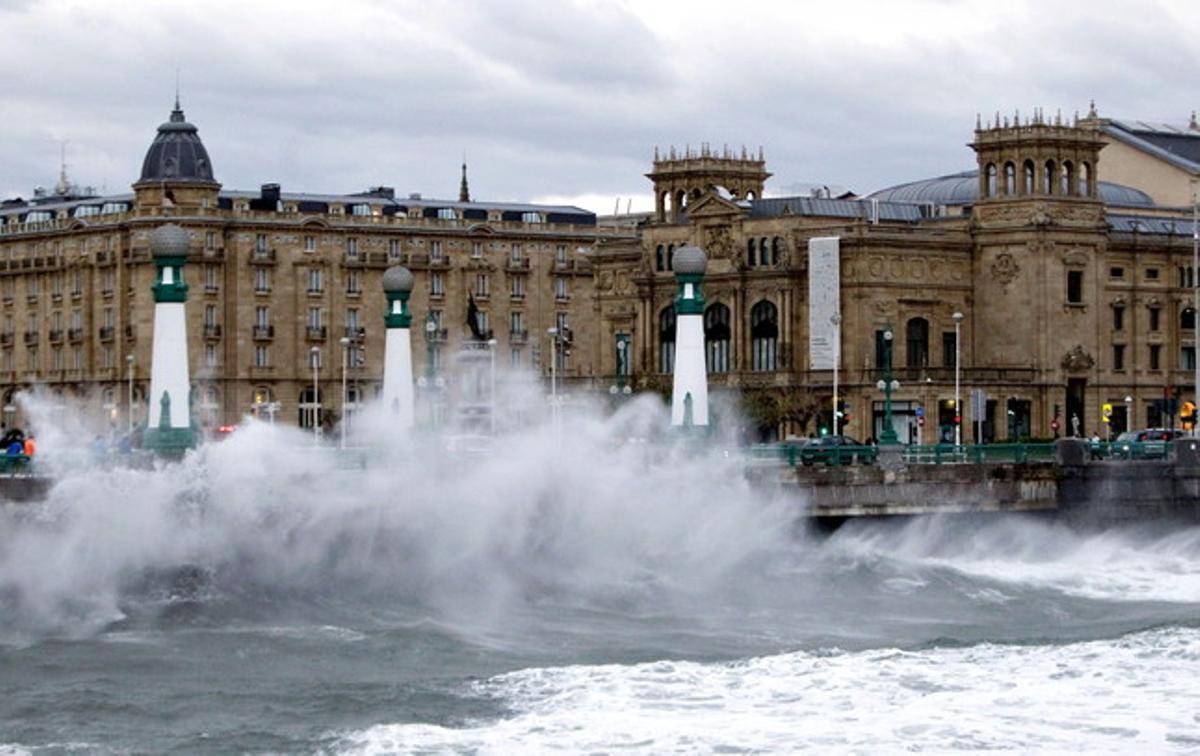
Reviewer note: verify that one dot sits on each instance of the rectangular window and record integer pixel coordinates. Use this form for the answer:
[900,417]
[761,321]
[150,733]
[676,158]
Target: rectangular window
[210,316]
[518,287]
[514,357]
[310,243]
[560,288]
[1118,318]
[1187,358]
[1154,318]
[353,282]
[1116,272]
[314,317]
[262,356]
[481,285]
[210,355]
[210,278]
[1118,356]
[106,357]
[482,320]
[56,358]
[880,350]
[210,240]
[516,321]
[77,287]
[260,243]
[1151,274]
[393,249]
[107,318]
[352,318]
[1155,356]
[476,249]
[1075,286]
[435,250]
[436,285]
[436,317]
[262,280]
[76,319]
[31,286]
[949,351]
[314,359]
[32,355]
[262,317]
[77,358]
[351,247]
[446,213]
[516,254]
[560,254]
[560,322]
[315,286]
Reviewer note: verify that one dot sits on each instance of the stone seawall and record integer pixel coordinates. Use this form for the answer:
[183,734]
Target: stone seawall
[1075,488]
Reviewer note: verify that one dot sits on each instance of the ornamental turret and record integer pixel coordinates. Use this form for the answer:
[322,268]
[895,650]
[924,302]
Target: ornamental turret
[397,357]
[689,394]
[169,428]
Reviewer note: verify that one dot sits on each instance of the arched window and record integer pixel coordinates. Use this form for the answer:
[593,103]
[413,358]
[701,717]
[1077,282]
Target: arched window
[991,188]
[750,195]
[1027,182]
[666,340]
[764,251]
[776,250]
[670,257]
[1085,189]
[1067,185]
[1048,178]
[764,336]
[310,409]
[1187,319]
[751,253]
[917,335]
[716,338]
[660,258]
[680,196]
[1010,179]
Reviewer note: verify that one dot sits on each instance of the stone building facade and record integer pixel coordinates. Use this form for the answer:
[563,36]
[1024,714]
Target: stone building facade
[278,281]
[1074,293]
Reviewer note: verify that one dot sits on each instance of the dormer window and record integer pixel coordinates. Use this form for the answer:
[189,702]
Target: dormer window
[531,217]
[447,213]
[361,209]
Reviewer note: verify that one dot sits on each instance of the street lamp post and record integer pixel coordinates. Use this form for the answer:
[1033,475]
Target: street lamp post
[430,345]
[958,319]
[836,320]
[1196,298]
[345,342]
[887,386]
[129,418]
[315,358]
[492,393]
[1128,412]
[553,332]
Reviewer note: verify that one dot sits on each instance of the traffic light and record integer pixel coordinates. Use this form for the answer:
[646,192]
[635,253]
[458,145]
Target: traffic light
[843,411]
[1106,413]
[1187,416]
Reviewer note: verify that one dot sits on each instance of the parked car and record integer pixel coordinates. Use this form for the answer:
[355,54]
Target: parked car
[837,450]
[1148,443]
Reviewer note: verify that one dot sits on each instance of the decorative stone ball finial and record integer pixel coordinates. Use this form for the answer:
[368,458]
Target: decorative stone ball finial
[169,241]
[689,261]
[397,280]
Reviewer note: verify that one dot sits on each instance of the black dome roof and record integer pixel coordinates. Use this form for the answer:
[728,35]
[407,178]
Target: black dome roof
[177,154]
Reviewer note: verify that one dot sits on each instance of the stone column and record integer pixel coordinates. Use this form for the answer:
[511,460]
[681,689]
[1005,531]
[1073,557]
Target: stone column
[169,427]
[689,394]
[397,356]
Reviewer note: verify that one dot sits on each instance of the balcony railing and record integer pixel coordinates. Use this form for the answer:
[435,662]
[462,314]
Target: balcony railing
[437,335]
[130,332]
[264,332]
[75,334]
[517,266]
[518,337]
[317,333]
[212,330]
[356,333]
[7,338]
[56,335]
[106,333]
[31,338]
[262,256]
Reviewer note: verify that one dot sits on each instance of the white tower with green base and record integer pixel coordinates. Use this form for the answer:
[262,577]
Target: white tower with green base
[689,393]
[397,350]
[169,429]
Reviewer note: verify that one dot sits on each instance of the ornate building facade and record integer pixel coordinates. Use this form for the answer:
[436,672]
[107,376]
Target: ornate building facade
[1074,293]
[284,288]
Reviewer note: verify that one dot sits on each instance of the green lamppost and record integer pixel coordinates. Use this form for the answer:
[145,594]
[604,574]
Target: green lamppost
[887,386]
[430,380]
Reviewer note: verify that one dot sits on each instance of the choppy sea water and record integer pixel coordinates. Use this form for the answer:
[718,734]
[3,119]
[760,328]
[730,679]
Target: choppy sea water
[571,595]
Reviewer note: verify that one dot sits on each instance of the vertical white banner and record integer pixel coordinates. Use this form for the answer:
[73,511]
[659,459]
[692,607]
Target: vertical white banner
[824,299]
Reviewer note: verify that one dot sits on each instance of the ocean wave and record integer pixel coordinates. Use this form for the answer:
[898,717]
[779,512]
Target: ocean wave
[1132,693]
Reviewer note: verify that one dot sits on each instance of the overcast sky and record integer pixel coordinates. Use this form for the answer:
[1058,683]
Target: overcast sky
[564,101]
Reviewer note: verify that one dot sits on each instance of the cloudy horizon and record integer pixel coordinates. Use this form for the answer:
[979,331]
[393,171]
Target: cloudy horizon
[563,102]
